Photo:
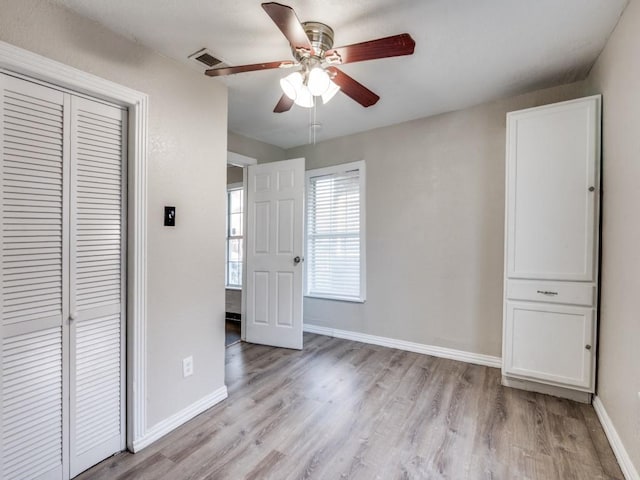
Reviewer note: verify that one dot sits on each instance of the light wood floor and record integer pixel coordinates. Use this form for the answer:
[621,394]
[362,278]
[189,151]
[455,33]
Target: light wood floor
[347,410]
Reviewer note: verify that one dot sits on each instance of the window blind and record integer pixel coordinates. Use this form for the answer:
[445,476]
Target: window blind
[333,236]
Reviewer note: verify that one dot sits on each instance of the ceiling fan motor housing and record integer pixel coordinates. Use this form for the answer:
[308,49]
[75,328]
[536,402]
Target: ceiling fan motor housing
[321,38]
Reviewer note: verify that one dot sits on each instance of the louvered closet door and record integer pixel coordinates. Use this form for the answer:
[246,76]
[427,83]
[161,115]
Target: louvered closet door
[97,286]
[34,270]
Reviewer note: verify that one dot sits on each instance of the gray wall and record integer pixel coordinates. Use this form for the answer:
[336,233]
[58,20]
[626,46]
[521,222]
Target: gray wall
[263,152]
[435,226]
[617,76]
[234,174]
[187,168]
[233,299]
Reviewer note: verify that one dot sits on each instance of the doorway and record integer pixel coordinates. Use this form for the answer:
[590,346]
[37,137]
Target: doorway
[235,246]
[265,243]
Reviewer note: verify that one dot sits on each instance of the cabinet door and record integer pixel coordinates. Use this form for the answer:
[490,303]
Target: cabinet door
[550,343]
[552,191]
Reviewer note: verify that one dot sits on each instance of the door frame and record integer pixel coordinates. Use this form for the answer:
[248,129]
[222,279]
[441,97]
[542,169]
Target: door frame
[242,161]
[15,60]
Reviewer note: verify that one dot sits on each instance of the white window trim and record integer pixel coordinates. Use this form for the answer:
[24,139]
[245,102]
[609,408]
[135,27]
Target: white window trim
[230,187]
[334,169]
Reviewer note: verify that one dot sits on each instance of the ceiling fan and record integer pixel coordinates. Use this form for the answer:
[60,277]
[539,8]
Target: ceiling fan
[312,47]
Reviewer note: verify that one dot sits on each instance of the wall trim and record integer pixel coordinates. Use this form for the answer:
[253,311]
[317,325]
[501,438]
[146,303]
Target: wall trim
[239,160]
[22,62]
[167,425]
[460,355]
[626,465]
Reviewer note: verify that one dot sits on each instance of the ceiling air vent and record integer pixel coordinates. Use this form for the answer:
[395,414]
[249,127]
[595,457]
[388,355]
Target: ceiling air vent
[205,58]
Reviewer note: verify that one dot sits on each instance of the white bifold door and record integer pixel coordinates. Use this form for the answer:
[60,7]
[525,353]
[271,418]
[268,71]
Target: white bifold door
[62,281]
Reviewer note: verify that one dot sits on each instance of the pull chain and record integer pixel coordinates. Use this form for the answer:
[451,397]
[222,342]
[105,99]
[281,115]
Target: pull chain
[313,124]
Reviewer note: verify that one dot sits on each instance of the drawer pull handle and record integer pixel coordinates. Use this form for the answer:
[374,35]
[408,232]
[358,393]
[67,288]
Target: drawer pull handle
[546,292]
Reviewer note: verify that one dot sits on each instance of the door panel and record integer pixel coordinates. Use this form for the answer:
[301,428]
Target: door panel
[261,298]
[274,239]
[32,379]
[285,291]
[34,269]
[97,282]
[285,237]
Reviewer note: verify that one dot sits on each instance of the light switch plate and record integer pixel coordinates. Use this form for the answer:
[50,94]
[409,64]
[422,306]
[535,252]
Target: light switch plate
[187,367]
[169,216]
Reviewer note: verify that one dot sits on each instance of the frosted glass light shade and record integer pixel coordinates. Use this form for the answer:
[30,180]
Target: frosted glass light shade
[291,84]
[304,97]
[330,93]
[318,82]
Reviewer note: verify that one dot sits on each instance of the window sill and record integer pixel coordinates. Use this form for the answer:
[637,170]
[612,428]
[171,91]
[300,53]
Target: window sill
[337,299]
[227,287]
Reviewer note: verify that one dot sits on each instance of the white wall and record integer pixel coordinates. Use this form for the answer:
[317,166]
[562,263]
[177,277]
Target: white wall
[616,75]
[187,168]
[435,226]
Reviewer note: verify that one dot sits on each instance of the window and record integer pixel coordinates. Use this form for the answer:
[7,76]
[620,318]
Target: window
[335,253]
[235,237]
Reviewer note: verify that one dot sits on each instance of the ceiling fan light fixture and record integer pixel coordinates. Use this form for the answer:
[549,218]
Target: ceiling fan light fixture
[291,85]
[303,97]
[330,93]
[318,81]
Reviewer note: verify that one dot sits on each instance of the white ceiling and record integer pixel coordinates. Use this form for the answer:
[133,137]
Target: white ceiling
[467,52]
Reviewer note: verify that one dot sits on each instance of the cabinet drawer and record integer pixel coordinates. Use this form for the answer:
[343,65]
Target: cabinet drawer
[570,293]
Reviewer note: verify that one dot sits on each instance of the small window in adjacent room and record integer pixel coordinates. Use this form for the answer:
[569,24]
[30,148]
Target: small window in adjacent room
[335,250]
[235,235]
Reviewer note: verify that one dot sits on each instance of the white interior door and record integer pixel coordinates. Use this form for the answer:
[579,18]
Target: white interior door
[275,226]
[97,259]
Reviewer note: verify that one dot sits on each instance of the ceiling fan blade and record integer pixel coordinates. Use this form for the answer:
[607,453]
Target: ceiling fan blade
[287,21]
[284,105]
[352,88]
[394,46]
[218,72]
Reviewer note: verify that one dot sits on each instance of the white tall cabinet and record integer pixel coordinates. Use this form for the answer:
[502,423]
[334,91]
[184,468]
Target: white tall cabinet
[62,259]
[551,258]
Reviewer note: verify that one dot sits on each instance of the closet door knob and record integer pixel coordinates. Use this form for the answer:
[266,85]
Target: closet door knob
[73,316]
[592,189]
[588,347]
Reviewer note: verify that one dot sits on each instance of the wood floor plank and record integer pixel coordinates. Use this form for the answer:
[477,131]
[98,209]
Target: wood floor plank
[345,410]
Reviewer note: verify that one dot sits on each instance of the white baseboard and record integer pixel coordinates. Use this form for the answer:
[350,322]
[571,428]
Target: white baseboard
[627,467]
[462,356]
[160,429]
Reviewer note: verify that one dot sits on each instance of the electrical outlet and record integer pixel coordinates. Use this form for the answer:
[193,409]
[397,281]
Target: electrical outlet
[187,367]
